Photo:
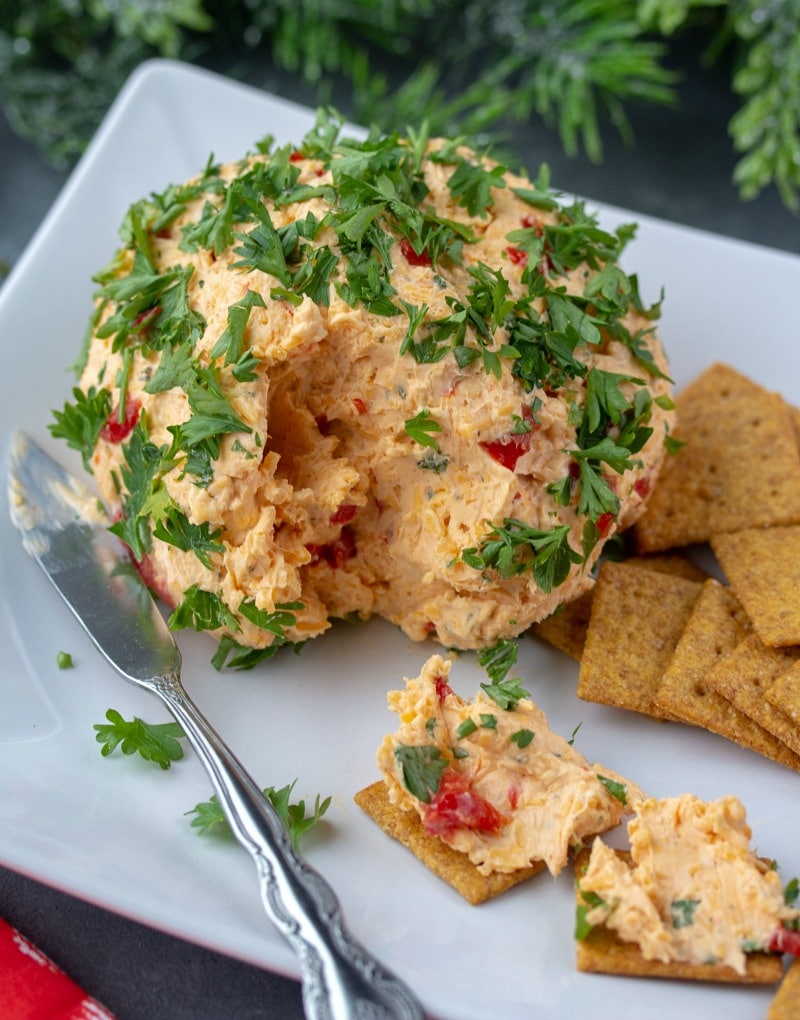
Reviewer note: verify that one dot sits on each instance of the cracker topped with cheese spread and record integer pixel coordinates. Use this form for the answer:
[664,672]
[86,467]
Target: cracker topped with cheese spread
[691,897]
[381,376]
[490,778]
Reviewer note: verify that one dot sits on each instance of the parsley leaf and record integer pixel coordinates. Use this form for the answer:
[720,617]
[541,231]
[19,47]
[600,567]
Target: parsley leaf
[682,912]
[466,729]
[420,428]
[232,338]
[156,742]
[145,494]
[261,248]
[274,622]
[590,902]
[230,654]
[422,768]
[202,610]
[175,528]
[80,423]
[514,548]
[522,738]
[471,185]
[209,815]
[506,693]
[615,788]
[499,659]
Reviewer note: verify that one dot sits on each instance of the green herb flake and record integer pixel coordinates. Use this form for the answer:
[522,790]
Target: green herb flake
[499,659]
[467,727]
[421,427]
[591,901]
[506,693]
[64,660]
[682,912]
[616,789]
[522,738]
[422,767]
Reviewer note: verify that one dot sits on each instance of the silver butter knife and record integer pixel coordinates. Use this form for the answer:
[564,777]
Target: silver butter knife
[64,531]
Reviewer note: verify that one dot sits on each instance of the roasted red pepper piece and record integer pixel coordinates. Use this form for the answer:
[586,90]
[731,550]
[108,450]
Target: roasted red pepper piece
[455,805]
[784,940]
[508,449]
[114,430]
[414,258]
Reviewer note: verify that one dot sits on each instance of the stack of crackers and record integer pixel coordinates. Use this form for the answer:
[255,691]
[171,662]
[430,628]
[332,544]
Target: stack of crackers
[662,636]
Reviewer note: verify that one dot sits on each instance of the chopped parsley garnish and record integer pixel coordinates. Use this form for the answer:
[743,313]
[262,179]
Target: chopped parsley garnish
[506,693]
[156,742]
[230,654]
[434,461]
[616,789]
[145,495]
[422,767]
[499,659]
[466,728]
[175,528]
[209,816]
[682,912]
[421,427]
[80,422]
[471,183]
[591,901]
[231,341]
[275,621]
[522,738]
[202,610]
[515,548]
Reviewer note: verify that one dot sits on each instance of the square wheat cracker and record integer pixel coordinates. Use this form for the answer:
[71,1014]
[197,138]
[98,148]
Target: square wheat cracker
[566,628]
[454,867]
[763,568]
[744,676]
[604,952]
[786,1004]
[716,627]
[721,480]
[637,619]
[784,694]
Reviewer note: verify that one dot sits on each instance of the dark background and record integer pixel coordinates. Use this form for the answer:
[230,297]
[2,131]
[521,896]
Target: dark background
[680,168]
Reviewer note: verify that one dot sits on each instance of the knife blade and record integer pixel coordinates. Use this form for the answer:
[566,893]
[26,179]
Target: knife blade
[66,532]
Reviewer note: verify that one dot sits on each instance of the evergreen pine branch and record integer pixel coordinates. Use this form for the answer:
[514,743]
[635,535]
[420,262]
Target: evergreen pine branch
[766,129]
[470,66]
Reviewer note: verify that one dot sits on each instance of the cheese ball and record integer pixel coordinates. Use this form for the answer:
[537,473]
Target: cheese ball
[355,377]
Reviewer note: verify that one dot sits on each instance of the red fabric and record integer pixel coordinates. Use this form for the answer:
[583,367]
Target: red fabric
[33,988]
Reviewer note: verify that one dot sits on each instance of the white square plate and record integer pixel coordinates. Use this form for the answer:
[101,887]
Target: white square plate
[113,831]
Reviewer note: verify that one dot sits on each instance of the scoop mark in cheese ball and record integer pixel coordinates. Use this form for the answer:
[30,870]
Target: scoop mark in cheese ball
[354,377]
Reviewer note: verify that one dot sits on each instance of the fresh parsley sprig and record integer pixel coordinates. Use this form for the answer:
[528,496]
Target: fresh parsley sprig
[515,548]
[507,693]
[80,423]
[422,767]
[156,742]
[209,816]
[422,428]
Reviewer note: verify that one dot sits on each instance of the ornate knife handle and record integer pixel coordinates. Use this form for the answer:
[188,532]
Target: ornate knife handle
[341,980]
